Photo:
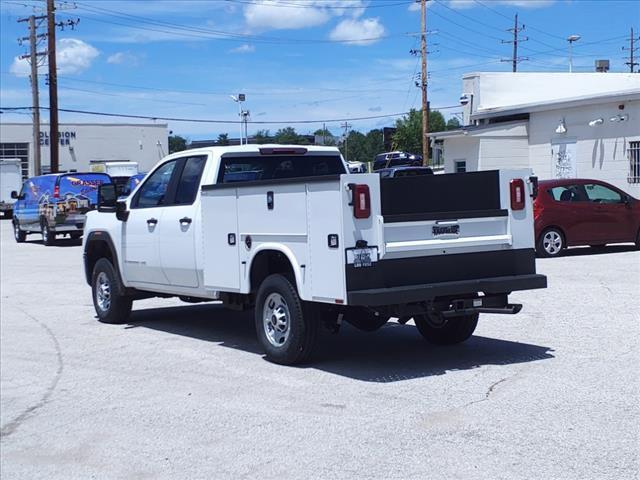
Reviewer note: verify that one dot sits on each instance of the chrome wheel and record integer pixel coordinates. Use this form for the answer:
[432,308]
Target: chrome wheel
[103,292]
[45,233]
[276,319]
[552,242]
[16,231]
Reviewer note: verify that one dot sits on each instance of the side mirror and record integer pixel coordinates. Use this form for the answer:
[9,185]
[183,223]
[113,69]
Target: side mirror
[15,195]
[107,198]
[122,213]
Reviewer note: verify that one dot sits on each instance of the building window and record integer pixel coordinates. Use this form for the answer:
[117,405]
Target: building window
[460,166]
[634,162]
[17,150]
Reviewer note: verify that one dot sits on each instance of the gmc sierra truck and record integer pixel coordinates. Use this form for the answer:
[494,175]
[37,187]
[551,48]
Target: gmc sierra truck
[289,232]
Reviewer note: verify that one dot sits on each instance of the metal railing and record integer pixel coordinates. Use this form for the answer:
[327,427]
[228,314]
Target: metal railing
[633,153]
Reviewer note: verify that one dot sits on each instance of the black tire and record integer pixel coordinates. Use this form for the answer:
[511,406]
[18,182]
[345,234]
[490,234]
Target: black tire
[551,243]
[48,237]
[450,332]
[365,320]
[291,336]
[106,283]
[18,234]
[75,235]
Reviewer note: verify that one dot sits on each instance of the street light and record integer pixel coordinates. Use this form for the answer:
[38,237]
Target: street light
[571,39]
[239,99]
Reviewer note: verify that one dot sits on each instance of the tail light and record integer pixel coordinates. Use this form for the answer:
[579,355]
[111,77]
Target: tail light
[361,200]
[517,194]
[56,191]
[537,210]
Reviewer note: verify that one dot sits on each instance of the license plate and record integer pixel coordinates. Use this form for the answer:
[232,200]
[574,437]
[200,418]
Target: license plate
[363,257]
[445,230]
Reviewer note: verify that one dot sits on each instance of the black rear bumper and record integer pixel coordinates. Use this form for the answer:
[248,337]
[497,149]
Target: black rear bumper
[377,297]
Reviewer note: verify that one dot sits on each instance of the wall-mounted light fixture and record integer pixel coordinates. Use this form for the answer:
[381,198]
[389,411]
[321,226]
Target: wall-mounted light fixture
[596,122]
[561,128]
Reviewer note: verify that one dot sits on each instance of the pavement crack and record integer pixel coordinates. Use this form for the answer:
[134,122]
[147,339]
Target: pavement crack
[11,426]
[489,391]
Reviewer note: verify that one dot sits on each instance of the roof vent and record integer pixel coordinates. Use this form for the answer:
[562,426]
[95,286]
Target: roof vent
[602,66]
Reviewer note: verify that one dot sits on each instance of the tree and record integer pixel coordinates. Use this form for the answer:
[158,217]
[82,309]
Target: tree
[262,137]
[286,135]
[408,136]
[223,139]
[177,143]
[453,124]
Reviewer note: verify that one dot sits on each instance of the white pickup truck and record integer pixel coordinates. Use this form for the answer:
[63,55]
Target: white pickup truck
[286,230]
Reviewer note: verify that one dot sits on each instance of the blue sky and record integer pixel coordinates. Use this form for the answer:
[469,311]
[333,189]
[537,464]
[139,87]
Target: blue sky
[294,59]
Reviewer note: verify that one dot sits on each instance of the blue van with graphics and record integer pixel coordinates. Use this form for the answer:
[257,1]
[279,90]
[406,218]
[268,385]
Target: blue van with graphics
[131,184]
[55,204]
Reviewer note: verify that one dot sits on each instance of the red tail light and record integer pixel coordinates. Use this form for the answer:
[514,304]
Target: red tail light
[517,194]
[56,192]
[361,201]
[537,210]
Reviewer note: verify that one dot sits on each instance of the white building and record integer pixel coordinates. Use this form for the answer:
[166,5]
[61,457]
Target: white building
[583,125]
[83,143]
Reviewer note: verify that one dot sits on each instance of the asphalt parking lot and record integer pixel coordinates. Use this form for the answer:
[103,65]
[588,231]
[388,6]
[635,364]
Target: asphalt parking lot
[182,391]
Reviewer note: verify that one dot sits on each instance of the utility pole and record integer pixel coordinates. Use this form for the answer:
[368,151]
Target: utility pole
[32,57]
[515,59]
[53,87]
[346,127]
[632,50]
[423,79]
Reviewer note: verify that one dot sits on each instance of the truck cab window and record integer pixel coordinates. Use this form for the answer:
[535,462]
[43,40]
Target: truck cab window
[247,169]
[152,193]
[190,180]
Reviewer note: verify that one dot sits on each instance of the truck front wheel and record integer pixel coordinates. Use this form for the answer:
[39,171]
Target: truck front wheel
[285,326]
[439,331]
[111,306]
[18,234]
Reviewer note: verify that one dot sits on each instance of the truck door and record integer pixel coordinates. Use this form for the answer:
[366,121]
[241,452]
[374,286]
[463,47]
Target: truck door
[141,230]
[179,223]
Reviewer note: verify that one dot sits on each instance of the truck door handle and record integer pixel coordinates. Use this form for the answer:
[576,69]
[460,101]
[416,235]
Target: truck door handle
[152,221]
[186,220]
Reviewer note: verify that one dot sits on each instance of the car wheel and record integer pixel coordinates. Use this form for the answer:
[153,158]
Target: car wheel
[111,306]
[18,234]
[365,320]
[48,237]
[285,326]
[551,243]
[75,235]
[440,331]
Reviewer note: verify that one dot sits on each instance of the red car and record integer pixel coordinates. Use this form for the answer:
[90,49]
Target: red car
[575,211]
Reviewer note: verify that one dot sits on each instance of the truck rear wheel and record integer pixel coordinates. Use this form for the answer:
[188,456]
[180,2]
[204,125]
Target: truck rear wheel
[285,326]
[440,331]
[111,306]
[48,237]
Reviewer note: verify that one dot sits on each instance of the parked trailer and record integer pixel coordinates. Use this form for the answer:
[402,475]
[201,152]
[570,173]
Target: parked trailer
[10,180]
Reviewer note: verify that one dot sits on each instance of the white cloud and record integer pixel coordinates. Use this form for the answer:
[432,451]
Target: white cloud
[269,15]
[246,48]
[20,67]
[358,32]
[297,14]
[74,56]
[120,58]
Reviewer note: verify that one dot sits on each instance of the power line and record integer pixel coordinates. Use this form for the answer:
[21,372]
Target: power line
[201,120]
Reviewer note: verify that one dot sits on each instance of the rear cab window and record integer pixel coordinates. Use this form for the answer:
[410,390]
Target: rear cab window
[278,167]
[83,184]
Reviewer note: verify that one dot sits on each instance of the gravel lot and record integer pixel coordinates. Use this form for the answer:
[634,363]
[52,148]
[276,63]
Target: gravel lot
[183,391]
